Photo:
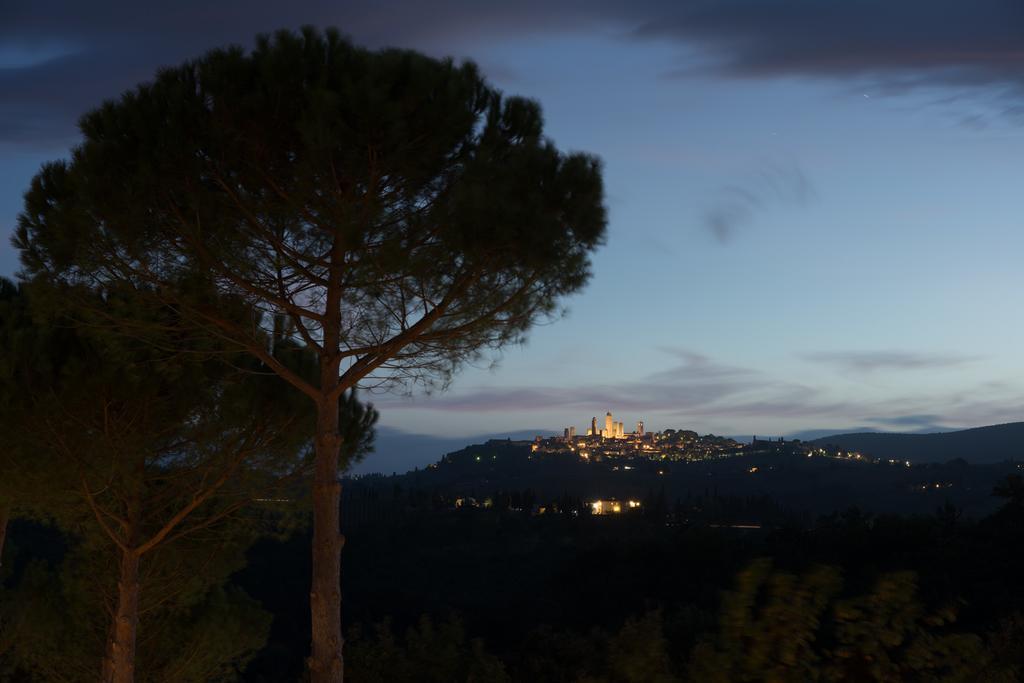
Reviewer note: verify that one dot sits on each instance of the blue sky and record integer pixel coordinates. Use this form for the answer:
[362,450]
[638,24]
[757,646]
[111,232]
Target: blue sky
[805,233]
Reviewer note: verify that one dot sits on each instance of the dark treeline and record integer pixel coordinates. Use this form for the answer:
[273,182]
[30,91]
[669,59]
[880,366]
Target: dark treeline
[639,597]
[372,505]
[439,592]
[816,484]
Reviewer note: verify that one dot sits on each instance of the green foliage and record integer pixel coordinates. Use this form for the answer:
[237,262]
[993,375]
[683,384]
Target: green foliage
[211,641]
[638,653]
[778,626]
[768,626]
[429,653]
[1006,646]
[114,427]
[132,448]
[888,635]
[23,480]
[357,420]
[561,656]
[55,621]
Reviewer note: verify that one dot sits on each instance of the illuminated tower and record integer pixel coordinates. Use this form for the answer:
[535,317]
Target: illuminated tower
[609,425]
[640,428]
[593,426]
[620,431]
[572,433]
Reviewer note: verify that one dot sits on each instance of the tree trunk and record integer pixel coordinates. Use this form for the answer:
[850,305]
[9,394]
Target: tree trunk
[325,663]
[120,663]
[5,515]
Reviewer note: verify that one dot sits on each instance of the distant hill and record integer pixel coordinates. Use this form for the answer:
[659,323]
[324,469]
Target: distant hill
[996,443]
[817,434]
[398,451]
[814,434]
[802,485]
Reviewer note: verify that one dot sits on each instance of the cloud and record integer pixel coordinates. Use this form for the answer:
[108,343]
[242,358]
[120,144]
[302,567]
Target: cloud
[870,361]
[975,48]
[700,390]
[772,183]
[908,43]
[96,50]
[695,366]
[696,386]
[694,381]
[913,422]
[106,46]
[43,100]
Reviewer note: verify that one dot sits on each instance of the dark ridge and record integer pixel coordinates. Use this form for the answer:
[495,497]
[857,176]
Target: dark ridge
[992,444]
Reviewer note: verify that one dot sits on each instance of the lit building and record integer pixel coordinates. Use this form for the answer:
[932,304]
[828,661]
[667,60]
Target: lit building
[640,428]
[613,507]
[609,426]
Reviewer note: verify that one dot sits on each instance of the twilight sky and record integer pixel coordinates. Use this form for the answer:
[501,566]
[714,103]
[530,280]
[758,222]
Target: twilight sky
[816,212]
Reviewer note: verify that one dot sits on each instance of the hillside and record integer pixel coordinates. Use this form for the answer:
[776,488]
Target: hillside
[802,485]
[996,443]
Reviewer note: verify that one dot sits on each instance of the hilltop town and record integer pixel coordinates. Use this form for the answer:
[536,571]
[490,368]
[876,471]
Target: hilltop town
[611,441]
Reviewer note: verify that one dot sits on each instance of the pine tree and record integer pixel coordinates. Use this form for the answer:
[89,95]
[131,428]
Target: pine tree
[402,214]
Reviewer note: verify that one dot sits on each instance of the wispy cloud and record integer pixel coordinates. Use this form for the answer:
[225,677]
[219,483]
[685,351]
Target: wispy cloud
[916,423]
[870,361]
[688,384]
[771,184]
[907,44]
[908,420]
[699,390]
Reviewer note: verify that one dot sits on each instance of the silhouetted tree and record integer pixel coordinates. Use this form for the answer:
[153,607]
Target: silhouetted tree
[138,451]
[429,653]
[398,210]
[948,516]
[13,321]
[783,627]
[1012,490]
[25,483]
[638,653]
[193,629]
